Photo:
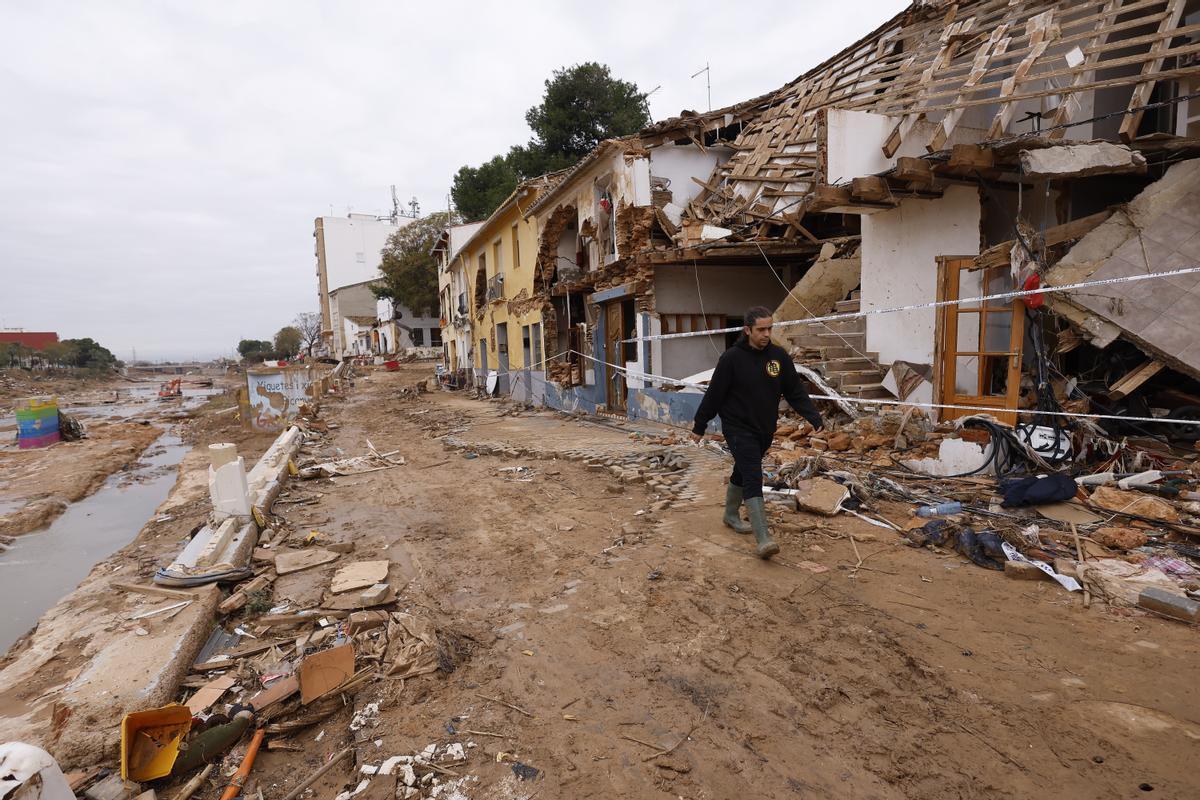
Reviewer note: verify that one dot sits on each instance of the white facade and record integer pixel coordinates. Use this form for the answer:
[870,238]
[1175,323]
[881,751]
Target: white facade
[348,251]
[353,245]
[401,329]
[900,248]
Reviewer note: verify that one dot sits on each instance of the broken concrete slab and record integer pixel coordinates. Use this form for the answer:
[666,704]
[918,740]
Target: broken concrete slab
[821,496]
[289,561]
[1082,160]
[826,282]
[1158,231]
[127,673]
[359,575]
[1169,604]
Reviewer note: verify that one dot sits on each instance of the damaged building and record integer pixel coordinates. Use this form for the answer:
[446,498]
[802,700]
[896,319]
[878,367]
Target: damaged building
[958,150]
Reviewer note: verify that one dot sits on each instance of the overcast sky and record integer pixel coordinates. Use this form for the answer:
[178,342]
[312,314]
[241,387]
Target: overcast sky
[161,163]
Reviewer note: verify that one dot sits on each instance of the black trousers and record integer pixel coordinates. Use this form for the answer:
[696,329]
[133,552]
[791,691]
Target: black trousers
[748,450]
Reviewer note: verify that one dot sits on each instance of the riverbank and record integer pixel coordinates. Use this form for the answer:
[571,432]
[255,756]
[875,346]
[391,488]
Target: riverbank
[87,656]
[122,421]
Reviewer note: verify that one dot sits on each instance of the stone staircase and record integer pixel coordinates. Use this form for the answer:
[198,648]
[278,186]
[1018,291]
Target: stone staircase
[839,351]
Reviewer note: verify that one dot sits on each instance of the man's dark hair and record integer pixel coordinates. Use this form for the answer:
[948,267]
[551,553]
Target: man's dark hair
[755,314]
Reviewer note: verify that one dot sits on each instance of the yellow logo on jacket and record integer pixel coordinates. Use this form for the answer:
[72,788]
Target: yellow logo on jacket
[773,368]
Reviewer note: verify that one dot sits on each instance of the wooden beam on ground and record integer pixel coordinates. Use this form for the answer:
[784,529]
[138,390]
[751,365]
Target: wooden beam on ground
[1141,92]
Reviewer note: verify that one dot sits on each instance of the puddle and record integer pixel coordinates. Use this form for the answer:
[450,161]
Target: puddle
[44,566]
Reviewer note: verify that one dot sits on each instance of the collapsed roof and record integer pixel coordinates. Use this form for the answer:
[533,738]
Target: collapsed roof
[940,65]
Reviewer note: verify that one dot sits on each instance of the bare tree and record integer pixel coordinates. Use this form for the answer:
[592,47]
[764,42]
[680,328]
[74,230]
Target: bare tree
[309,325]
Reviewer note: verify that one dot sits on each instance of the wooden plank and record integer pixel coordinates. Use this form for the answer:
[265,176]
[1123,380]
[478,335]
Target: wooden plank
[943,87]
[1135,378]
[913,170]
[826,196]
[1070,103]
[1041,34]
[160,591]
[996,45]
[1071,71]
[1141,92]
[943,58]
[970,157]
[870,189]
[998,255]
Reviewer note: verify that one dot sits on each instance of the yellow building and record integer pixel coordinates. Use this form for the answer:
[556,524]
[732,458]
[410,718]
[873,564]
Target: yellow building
[507,320]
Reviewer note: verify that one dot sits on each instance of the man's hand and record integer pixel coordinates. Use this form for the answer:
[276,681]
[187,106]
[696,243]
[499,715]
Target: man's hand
[697,438]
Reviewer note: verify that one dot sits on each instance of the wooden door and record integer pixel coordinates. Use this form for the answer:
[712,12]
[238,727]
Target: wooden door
[615,382]
[979,347]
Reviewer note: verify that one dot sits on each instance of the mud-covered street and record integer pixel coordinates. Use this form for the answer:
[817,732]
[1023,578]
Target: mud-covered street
[643,653]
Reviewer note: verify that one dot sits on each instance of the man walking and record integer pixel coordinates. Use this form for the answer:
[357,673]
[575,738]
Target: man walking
[744,391]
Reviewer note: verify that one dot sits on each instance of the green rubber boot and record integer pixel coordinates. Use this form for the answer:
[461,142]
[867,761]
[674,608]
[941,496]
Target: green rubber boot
[733,502]
[758,521]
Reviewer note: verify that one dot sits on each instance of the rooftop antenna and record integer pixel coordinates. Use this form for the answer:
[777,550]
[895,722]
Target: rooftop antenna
[414,208]
[395,206]
[707,82]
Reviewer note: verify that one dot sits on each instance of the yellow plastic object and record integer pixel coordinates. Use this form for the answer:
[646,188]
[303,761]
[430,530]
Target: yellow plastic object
[150,741]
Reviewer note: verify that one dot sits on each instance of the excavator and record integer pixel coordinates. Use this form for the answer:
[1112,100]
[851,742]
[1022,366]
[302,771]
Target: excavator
[171,390]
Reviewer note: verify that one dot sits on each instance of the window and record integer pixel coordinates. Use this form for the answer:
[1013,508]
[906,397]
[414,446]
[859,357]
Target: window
[418,337]
[516,245]
[497,264]
[537,345]
[435,337]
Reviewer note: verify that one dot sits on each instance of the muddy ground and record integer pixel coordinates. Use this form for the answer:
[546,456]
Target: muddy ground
[620,635]
[585,639]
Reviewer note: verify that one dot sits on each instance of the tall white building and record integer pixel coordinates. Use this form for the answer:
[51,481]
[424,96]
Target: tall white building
[348,259]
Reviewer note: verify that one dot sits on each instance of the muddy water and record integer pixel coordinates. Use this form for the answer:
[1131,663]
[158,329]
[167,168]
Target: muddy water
[44,566]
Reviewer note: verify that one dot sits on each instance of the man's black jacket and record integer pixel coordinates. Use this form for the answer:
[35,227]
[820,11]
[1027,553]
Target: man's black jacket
[745,391]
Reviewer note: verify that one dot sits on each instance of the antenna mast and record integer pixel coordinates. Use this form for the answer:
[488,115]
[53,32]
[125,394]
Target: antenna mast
[707,82]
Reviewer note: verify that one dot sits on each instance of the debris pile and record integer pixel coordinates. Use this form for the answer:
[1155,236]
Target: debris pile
[1115,519]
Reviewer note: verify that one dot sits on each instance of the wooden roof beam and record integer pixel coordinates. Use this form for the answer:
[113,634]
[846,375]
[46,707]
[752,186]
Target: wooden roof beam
[1141,92]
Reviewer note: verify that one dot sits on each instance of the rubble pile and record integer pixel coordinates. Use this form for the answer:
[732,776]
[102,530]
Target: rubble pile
[974,487]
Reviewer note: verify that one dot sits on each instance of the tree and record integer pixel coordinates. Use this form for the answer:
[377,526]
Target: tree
[309,325]
[61,354]
[254,349]
[478,191]
[583,105]
[288,340]
[409,269]
[89,354]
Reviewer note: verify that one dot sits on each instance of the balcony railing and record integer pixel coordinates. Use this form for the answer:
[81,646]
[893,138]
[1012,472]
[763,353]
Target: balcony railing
[495,289]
